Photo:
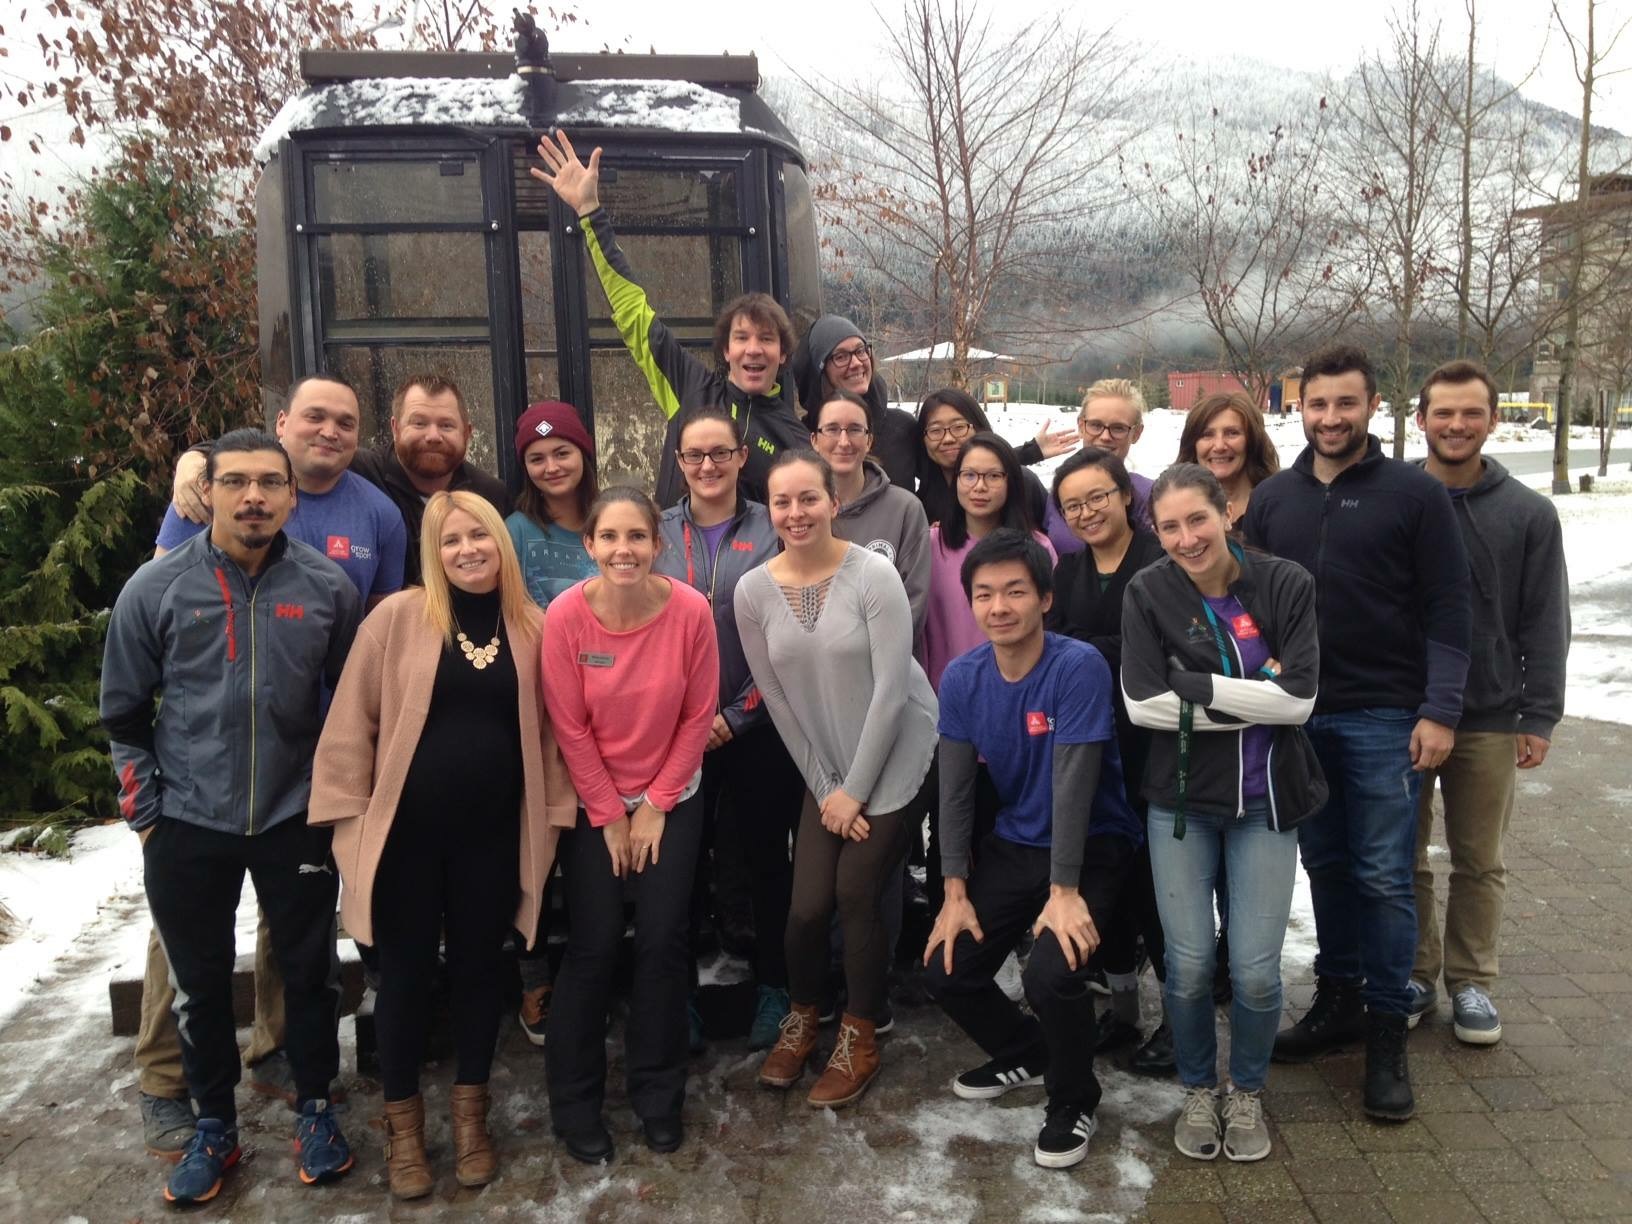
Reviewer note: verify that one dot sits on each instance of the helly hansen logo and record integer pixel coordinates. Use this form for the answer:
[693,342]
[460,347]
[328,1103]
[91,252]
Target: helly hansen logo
[742,546]
[1038,723]
[766,445]
[291,611]
[1348,503]
[339,548]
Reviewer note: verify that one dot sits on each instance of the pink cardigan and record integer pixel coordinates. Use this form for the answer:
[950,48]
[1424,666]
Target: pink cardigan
[633,710]
[369,739]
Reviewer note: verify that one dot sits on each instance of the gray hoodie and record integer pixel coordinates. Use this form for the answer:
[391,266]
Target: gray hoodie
[1521,606]
[888,520]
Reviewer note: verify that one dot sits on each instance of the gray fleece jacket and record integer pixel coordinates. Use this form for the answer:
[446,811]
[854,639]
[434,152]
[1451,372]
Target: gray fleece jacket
[888,520]
[1521,606]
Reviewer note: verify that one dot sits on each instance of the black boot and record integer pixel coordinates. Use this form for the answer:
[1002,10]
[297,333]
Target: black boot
[1388,1076]
[1336,1018]
[1156,1057]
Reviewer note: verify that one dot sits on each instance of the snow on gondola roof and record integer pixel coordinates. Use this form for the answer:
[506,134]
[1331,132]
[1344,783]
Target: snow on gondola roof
[675,106]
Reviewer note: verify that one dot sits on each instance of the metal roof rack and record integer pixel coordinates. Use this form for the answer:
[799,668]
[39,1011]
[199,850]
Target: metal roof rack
[323,67]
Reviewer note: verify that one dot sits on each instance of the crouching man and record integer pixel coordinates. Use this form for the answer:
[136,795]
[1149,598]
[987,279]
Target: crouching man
[233,634]
[1037,708]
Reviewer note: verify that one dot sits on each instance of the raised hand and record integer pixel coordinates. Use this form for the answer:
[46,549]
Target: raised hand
[578,185]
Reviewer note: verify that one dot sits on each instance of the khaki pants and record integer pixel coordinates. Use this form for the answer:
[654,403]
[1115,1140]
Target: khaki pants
[158,1044]
[1476,783]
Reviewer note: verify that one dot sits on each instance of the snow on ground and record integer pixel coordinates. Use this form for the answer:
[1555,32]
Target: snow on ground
[54,899]
[1598,551]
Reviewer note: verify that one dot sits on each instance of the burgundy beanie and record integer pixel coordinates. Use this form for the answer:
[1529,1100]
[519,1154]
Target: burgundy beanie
[552,419]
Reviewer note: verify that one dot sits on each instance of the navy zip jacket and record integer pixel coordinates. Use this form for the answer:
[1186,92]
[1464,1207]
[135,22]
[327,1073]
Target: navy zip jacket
[1391,580]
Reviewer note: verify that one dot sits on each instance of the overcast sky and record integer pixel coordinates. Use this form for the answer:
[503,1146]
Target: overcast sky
[841,37]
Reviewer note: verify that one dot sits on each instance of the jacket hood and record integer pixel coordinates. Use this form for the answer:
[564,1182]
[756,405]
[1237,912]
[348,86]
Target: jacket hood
[874,482]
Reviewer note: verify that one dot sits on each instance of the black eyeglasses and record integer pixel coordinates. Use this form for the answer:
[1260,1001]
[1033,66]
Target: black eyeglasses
[1094,501]
[854,432]
[956,431]
[721,455]
[843,359]
[1115,429]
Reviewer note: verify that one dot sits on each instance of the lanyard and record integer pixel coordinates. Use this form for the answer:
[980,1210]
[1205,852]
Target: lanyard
[1187,722]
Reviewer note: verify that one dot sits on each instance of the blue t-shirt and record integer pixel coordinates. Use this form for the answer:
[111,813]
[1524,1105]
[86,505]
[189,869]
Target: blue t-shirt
[353,524]
[1234,620]
[1067,698]
[552,558]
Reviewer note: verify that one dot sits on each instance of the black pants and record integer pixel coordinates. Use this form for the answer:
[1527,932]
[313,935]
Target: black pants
[441,877]
[1008,886]
[851,876]
[1135,915]
[752,792]
[655,1038]
[194,877]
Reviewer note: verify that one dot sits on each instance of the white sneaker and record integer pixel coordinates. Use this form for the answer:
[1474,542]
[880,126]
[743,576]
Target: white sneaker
[1196,1134]
[1246,1137]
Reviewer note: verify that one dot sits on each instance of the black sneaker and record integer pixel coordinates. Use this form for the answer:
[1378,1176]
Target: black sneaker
[993,1079]
[1336,1018]
[1063,1141]
[1114,1033]
[1156,1056]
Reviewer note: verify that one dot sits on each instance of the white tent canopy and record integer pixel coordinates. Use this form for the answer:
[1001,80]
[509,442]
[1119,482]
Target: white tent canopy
[943,352]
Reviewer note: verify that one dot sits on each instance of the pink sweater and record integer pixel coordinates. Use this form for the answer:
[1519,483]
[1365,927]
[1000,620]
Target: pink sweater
[631,711]
[949,625]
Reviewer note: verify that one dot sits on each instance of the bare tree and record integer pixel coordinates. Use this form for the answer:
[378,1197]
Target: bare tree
[973,176]
[1400,217]
[1253,227]
[1582,281]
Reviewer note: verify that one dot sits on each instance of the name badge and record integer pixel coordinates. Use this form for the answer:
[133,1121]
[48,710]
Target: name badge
[588,659]
[1244,626]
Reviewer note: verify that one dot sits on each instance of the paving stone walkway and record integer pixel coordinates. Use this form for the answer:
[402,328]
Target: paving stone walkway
[1536,1129]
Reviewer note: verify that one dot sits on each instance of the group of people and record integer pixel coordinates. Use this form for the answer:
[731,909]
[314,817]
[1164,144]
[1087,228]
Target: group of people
[1118,708]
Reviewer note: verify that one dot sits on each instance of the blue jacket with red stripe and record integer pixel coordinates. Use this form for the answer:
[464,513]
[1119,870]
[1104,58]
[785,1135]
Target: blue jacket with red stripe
[237,669]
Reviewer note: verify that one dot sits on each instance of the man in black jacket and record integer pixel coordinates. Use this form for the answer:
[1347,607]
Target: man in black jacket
[1513,700]
[1391,588]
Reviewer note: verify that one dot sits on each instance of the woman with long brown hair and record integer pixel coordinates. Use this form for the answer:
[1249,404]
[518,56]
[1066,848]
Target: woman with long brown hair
[1225,434]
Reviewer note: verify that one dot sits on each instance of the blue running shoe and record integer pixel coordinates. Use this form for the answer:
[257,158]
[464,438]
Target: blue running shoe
[769,1008]
[323,1150]
[198,1174]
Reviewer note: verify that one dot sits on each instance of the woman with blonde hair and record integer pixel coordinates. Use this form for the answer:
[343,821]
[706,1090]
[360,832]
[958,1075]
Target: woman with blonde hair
[438,769]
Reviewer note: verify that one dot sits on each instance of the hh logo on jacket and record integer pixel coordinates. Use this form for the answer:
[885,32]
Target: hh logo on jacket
[1038,723]
[291,611]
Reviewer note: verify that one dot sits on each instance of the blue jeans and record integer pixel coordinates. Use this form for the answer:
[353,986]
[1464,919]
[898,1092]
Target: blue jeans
[1262,865]
[1359,851]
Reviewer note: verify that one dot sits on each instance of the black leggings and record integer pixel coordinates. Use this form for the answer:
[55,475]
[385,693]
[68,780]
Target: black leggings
[829,872]
[1134,915]
[436,879]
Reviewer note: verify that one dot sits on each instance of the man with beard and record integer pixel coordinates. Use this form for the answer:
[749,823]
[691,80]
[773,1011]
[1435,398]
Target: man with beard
[1392,601]
[430,432]
[1514,698]
[217,655]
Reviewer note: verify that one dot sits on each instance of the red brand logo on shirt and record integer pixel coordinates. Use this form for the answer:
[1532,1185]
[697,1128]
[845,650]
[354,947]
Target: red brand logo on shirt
[1244,627]
[1038,723]
[291,611]
[742,545]
[339,548]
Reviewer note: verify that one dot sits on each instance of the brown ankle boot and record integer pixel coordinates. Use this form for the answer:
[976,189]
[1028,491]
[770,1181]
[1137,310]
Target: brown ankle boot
[852,1067]
[473,1161]
[405,1161]
[786,1062]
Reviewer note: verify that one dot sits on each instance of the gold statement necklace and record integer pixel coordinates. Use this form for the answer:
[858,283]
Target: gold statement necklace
[480,656]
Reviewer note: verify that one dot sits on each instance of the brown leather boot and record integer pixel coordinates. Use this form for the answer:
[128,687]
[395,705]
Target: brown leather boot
[786,1062]
[405,1162]
[852,1067]
[473,1160]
